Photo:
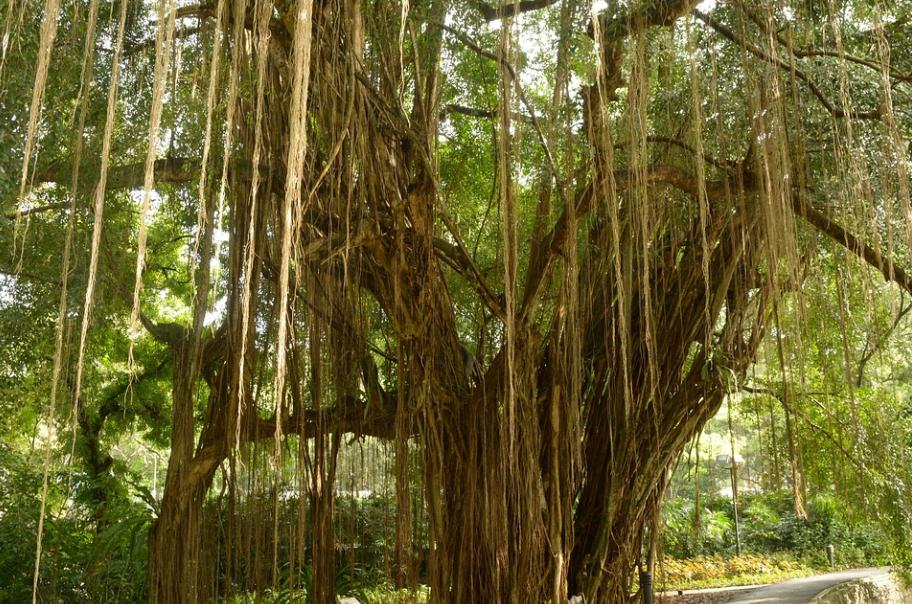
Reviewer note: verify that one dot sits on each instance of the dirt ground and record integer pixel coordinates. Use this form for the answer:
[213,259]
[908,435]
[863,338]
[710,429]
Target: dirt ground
[701,596]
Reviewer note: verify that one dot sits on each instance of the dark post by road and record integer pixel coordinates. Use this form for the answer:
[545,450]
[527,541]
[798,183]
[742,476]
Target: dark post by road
[734,477]
[646,587]
[831,554]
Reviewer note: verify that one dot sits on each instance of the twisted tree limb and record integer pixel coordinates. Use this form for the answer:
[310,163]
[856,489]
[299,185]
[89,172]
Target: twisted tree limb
[853,243]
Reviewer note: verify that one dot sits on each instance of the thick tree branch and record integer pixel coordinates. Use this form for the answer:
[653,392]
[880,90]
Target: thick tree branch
[848,240]
[553,243]
[801,53]
[172,169]
[482,113]
[510,9]
[48,207]
[179,34]
[803,416]
[673,142]
[196,10]
[660,13]
[348,416]
[789,67]
[456,257]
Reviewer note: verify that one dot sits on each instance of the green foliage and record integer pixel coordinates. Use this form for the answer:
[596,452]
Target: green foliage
[387,594]
[81,561]
[364,528]
[856,543]
[769,526]
[382,593]
[715,533]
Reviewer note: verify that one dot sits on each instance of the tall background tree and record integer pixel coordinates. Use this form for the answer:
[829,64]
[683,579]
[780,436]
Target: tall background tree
[533,244]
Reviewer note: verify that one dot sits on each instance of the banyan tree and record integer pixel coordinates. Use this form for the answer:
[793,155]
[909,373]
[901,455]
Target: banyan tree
[528,247]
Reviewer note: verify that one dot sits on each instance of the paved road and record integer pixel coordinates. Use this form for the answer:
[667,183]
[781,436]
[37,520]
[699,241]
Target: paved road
[801,591]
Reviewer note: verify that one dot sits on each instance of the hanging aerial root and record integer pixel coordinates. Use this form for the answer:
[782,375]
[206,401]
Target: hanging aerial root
[643,219]
[163,38]
[83,96]
[263,12]
[897,146]
[203,211]
[239,8]
[93,267]
[5,40]
[601,134]
[291,211]
[508,202]
[45,46]
[100,190]
[697,117]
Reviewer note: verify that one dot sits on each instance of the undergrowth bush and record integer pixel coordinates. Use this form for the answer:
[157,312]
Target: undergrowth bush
[82,561]
[768,525]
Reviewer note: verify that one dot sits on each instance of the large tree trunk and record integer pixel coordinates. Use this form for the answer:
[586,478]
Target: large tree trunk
[322,505]
[173,546]
[625,485]
[174,543]
[174,555]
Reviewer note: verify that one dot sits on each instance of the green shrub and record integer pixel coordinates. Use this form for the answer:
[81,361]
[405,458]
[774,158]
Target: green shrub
[768,525]
[81,561]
